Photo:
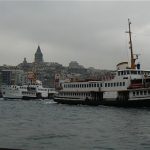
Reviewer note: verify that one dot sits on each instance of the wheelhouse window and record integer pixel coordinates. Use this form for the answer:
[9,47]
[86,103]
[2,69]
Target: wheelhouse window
[139,72]
[128,72]
[133,72]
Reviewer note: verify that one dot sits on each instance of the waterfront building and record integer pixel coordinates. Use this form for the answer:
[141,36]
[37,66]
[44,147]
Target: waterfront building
[10,77]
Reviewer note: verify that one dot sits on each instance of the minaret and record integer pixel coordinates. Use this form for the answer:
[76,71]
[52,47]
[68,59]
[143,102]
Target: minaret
[38,56]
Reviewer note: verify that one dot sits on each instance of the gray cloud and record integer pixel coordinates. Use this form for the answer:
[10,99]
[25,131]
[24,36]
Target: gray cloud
[93,33]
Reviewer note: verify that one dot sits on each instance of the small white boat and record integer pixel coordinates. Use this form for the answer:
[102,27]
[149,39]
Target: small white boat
[31,91]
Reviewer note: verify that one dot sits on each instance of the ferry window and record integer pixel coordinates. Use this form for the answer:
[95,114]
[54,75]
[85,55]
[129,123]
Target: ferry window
[105,84]
[101,85]
[123,83]
[145,92]
[111,84]
[137,92]
[90,85]
[133,93]
[133,72]
[87,85]
[141,92]
[119,73]
[114,84]
[124,72]
[117,83]
[120,83]
[94,84]
[108,84]
[139,72]
[128,72]
[148,92]
[97,85]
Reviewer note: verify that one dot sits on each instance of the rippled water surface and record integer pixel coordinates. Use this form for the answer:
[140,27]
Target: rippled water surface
[45,125]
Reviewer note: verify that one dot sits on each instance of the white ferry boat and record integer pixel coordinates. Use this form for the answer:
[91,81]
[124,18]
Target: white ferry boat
[34,90]
[129,86]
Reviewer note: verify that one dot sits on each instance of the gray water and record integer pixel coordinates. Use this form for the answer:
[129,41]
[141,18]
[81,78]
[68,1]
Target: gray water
[45,125]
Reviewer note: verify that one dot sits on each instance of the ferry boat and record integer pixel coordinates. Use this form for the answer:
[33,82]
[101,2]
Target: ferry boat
[130,86]
[33,90]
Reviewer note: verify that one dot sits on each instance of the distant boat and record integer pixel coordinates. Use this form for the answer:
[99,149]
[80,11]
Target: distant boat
[33,90]
[130,86]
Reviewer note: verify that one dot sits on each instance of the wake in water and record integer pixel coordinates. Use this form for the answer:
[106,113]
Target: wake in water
[49,102]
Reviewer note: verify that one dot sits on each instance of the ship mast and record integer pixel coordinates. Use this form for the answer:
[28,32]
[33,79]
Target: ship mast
[133,65]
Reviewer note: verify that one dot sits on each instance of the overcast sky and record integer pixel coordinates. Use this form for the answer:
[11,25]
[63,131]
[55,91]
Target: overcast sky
[92,33]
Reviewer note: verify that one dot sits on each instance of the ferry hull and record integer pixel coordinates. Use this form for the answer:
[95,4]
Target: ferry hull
[73,101]
[125,103]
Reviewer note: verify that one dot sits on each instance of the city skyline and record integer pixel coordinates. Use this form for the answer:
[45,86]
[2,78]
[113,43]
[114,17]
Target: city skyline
[91,33]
